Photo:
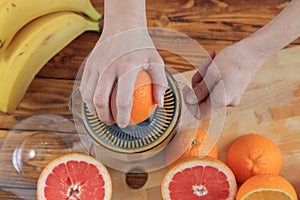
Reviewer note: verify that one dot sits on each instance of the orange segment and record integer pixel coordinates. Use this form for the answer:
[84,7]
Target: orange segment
[253,154]
[270,187]
[199,178]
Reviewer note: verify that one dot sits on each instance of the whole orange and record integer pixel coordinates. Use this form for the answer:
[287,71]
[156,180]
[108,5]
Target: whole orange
[191,143]
[253,154]
[143,104]
[268,187]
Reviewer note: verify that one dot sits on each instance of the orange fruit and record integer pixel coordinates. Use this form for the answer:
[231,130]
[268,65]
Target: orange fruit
[270,187]
[253,154]
[191,143]
[74,176]
[199,178]
[143,104]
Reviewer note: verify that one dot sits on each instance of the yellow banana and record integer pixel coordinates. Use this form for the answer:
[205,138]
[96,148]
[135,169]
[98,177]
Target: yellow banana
[14,14]
[32,48]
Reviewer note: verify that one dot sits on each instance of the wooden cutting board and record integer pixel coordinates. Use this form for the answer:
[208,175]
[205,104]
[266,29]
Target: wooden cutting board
[270,106]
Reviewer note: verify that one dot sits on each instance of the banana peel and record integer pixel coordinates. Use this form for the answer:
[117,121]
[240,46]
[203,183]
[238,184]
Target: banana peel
[14,14]
[32,48]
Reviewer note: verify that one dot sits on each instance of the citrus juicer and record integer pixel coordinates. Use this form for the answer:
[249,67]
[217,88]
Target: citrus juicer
[144,145]
[139,145]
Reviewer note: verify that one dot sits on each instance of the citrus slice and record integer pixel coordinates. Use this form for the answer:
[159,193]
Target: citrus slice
[270,187]
[199,178]
[72,177]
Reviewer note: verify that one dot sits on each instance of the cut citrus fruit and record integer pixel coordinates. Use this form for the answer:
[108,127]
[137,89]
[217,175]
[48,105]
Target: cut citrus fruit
[253,154]
[199,178]
[74,176]
[191,143]
[143,104]
[270,187]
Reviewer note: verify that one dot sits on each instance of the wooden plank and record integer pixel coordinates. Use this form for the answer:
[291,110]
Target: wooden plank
[44,96]
[213,24]
[66,63]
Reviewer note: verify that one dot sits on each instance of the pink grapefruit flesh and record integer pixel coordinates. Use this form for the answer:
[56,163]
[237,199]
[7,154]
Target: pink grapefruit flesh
[199,178]
[73,177]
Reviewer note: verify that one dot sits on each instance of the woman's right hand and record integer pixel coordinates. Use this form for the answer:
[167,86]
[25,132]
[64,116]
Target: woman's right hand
[123,49]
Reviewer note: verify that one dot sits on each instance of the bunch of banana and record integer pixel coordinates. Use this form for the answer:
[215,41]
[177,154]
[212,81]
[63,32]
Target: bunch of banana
[31,33]
[14,14]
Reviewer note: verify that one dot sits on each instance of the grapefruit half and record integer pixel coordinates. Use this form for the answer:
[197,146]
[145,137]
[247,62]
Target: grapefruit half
[199,178]
[74,176]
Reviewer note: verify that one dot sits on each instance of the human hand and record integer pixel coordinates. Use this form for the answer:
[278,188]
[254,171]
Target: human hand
[115,62]
[222,81]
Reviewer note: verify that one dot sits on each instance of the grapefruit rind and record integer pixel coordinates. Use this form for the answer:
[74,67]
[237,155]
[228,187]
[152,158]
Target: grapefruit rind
[74,157]
[194,162]
[268,190]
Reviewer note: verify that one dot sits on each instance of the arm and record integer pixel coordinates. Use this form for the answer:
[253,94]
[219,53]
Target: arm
[124,15]
[278,33]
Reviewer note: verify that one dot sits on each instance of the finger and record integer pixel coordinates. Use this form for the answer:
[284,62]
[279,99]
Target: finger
[102,97]
[201,92]
[125,90]
[87,89]
[192,108]
[211,78]
[216,100]
[198,76]
[156,70]
[204,108]
[235,101]
[212,54]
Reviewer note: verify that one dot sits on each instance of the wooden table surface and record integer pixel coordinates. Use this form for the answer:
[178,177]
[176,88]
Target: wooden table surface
[270,106]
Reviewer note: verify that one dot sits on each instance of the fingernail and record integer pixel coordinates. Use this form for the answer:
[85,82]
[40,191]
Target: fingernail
[212,54]
[108,123]
[92,112]
[121,125]
[161,101]
[191,98]
[91,109]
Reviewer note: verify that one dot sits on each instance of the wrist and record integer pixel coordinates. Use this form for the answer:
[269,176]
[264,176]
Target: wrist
[254,47]
[124,15]
[259,47]
[249,56]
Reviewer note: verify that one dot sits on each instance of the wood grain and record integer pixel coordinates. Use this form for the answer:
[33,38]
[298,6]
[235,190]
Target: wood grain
[213,24]
[270,106]
[275,86]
